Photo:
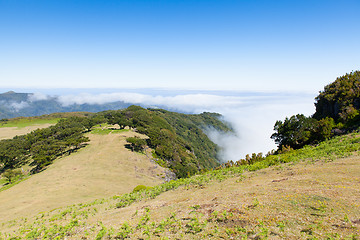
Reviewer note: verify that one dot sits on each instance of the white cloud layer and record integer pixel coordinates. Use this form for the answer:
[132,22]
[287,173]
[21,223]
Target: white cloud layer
[181,102]
[38,97]
[252,117]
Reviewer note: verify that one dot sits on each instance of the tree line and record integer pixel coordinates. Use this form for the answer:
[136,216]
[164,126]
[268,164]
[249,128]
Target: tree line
[177,140]
[42,146]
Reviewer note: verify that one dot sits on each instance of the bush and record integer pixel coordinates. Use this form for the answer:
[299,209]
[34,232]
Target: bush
[140,188]
[11,175]
[136,144]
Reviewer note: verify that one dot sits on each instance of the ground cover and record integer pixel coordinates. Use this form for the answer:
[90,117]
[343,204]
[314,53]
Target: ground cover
[25,122]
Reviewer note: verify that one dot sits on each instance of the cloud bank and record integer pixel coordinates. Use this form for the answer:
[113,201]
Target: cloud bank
[17,106]
[187,102]
[251,115]
[38,97]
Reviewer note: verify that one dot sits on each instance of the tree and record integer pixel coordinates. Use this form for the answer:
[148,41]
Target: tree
[3,121]
[43,146]
[137,144]
[11,174]
[324,129]
[295,131]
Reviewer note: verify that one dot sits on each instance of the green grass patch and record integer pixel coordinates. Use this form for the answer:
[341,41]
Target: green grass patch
[3,181]
[25,122]
[7,186]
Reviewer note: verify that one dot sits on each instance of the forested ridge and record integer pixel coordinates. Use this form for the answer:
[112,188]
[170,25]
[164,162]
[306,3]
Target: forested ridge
[177,140]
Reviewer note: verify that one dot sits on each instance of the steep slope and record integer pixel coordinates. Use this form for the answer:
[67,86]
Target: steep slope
[103,168]
[178,140]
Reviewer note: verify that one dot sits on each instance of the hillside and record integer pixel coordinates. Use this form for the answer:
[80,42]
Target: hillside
[10,128]
[84,161]
[309,193]
[104,168]
[177,141]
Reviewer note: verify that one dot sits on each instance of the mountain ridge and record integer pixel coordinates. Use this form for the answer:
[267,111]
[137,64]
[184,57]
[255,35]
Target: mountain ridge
[13,104]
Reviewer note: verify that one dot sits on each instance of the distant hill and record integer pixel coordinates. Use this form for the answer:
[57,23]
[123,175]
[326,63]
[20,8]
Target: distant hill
[14,104]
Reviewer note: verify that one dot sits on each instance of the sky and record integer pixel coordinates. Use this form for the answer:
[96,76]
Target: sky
[202,45]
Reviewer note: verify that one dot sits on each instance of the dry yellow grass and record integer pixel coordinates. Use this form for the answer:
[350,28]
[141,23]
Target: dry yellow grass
[10,132]
[309,199]
[102,169]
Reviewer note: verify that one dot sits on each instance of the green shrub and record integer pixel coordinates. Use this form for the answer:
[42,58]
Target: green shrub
[140,188]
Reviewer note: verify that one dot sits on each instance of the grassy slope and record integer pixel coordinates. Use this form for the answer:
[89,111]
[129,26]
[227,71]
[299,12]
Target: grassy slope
[309,197]
[10,132]
[24,125]
[103,168]
[21,126]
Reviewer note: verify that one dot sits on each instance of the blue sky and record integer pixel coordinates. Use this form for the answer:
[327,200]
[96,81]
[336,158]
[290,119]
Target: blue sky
[209,45]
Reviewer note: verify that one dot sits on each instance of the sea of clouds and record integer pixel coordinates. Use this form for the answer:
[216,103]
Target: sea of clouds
[252,115]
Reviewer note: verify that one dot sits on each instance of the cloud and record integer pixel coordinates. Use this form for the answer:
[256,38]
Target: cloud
[227,142]
[253,124]
[38,97]
[251,115]
[17,106]
[184,102]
